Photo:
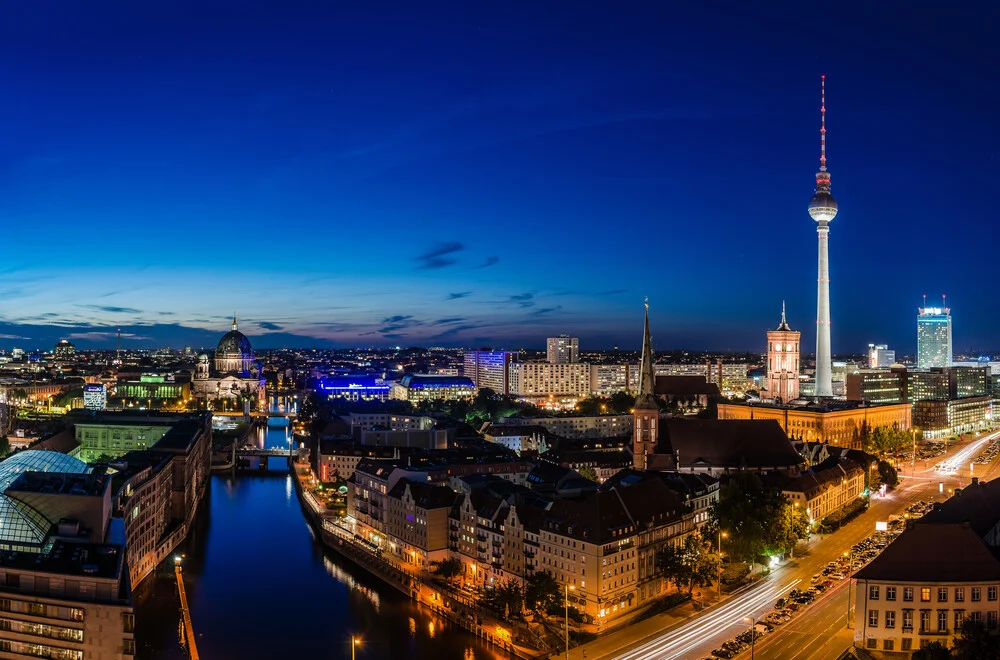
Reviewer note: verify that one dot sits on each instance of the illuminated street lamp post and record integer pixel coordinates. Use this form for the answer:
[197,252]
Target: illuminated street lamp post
[355,641]
[722,535]
[753,632]
[566,603]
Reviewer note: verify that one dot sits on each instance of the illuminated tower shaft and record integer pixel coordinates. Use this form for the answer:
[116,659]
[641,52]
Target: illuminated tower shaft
[824,360]
[823,209]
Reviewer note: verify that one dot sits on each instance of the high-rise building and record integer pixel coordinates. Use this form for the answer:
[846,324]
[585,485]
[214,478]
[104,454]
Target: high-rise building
[783,362]
[879,356]
[933,337]
[562,349]
[823,209]
[489,369]
[64,350]
[541,379]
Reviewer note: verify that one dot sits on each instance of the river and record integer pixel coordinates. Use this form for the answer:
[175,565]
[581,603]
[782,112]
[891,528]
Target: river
[261,586]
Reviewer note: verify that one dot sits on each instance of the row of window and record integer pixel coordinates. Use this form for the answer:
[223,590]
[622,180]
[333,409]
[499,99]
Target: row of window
[41,609]
[959,616]
[976,593]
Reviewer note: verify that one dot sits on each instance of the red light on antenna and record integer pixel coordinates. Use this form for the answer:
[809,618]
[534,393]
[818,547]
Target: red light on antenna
[823,77]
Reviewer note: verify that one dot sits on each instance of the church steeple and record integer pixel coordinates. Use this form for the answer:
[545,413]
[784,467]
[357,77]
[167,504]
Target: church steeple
[646,400]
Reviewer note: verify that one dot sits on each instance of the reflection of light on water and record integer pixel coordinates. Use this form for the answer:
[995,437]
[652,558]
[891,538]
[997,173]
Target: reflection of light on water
[469,654]
[342,576]
[413,626]
[288,489]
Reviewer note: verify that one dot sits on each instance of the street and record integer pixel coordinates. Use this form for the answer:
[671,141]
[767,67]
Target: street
[819,630]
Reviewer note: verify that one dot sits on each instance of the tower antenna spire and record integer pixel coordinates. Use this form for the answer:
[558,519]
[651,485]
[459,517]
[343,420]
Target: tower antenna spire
[822,124]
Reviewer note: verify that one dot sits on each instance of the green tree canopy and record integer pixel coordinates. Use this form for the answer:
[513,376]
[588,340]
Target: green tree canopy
[541,590]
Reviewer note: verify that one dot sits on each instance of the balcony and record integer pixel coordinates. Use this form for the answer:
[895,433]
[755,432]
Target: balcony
[482,537]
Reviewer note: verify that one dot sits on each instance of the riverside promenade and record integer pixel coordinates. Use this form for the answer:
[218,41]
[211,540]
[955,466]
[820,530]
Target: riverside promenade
[433,596]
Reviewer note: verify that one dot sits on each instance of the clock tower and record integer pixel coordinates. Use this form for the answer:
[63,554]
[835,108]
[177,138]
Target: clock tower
[783,362]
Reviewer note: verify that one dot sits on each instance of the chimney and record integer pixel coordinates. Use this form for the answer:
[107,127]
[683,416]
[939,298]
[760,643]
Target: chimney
[975,481]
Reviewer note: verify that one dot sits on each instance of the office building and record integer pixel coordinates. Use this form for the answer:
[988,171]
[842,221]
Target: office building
[782,362]
[562,349]
[879,356]
[489,369]
[64,350]
[934,347]
[95,396]
[355,388]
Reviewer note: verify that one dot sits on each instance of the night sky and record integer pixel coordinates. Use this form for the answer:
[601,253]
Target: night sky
[481,173]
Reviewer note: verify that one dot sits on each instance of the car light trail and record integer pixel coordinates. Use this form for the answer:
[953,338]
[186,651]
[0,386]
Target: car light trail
[677,643]
[965,456]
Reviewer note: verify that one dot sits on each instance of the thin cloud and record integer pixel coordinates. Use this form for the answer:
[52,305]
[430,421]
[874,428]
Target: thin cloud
[546,310]
[112,309]
[490,261]
[267,325]
[439,256]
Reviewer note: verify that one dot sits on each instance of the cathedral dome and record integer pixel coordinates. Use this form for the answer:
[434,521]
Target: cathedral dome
[234,354]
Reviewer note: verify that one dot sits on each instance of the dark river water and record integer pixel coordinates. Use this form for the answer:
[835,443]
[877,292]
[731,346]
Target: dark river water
[261,586]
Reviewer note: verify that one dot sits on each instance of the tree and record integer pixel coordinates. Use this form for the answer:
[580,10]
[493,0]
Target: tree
[883,440]
[887,474]
[933,651]
[4,446]
[690,564]
[541,590]
[621,403]
[587,472]
[755,517]
[506,596]
[448,568]
[975,643]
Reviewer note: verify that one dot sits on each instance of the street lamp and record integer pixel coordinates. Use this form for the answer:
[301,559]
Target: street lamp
[355,641]
[753,632]
[722,535]
[566,603]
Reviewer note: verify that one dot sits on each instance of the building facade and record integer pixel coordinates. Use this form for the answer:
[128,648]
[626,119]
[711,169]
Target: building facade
[544,379]
[880,356]
[836,425]
[562,349]
[934,347]
[489,369]
[234,375]
[783,362]
[423,387]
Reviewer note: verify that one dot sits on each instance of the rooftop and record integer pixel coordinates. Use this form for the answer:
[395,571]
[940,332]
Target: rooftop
[61,483]
[726,443]
[181,435]
[69,558]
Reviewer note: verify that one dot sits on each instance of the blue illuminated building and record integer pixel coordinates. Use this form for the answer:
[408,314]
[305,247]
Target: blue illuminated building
[356,388]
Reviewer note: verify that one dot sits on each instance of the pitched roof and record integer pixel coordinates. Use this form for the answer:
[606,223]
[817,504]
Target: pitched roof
[685,386]
[731,443]
[929,553]
[978,504]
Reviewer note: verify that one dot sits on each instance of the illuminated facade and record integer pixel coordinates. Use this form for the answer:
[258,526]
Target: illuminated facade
[606,379]
[422,387]
[879,356]
[838,425]
[236,376]
[934,347]
[783,362]
[540,379]
[489,369]
[64,350]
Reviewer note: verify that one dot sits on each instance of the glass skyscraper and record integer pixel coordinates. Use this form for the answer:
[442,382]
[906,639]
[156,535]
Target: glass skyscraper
[933,337]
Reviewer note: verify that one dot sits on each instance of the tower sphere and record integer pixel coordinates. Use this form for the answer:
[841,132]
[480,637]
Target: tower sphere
[822,206]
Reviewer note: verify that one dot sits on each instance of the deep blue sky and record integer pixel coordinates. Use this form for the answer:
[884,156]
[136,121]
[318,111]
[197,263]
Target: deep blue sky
[467,173]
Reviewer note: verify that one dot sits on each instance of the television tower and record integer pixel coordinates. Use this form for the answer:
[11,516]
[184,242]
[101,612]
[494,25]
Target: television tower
[823,209]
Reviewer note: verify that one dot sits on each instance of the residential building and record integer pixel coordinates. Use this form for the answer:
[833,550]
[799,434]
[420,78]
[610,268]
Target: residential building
[423,387]
[578,426]
[562,349]
[942,571]
[934,345]
[416,522]
[607,379]
[521,438]
[605,464]
[731,378]
[334,460]
[489,369]
[544,379]
[826,487]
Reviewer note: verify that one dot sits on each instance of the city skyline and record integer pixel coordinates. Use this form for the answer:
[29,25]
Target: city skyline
[529,190]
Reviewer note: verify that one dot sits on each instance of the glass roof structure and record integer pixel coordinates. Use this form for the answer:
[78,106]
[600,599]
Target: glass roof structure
[21,526]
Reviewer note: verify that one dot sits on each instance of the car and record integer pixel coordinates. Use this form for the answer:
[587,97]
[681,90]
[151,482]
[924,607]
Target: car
[816,578]
[837,576]
[827,584]
[722,653]
[780,603]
